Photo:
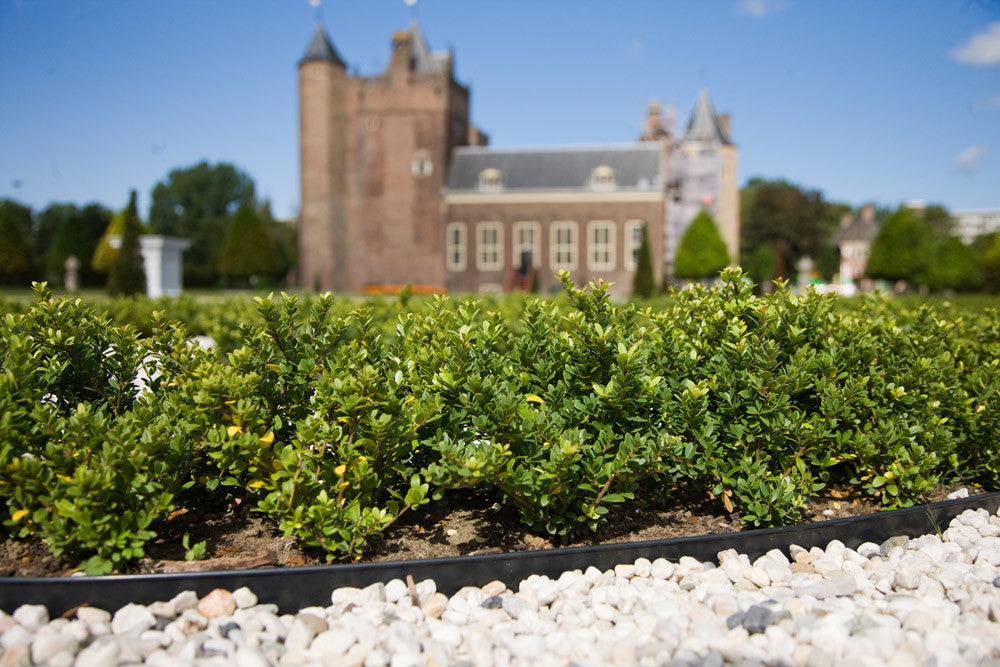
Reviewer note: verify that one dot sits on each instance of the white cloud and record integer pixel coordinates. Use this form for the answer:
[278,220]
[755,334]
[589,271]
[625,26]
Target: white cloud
[969,159]
[982,48]
[760,8]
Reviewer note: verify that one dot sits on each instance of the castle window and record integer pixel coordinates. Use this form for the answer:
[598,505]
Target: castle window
[490,179]
[489,246]
[562,241]
[601,245]
[422,165]
[526,240]
[602,178]
[455,246]
[633,241]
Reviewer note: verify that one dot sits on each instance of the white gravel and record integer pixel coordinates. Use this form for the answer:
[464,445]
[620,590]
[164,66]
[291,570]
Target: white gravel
[929,601]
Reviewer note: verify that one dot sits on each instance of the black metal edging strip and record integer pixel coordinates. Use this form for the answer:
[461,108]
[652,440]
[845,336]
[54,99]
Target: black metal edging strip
[294,588]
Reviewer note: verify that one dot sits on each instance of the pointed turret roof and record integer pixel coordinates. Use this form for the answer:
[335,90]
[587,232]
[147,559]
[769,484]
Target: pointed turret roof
[320,48]
[704,124]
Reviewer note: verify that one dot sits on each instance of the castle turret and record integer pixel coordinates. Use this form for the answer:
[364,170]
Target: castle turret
[322,159]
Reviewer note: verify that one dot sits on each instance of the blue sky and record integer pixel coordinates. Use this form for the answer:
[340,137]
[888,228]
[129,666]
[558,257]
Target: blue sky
[883,101]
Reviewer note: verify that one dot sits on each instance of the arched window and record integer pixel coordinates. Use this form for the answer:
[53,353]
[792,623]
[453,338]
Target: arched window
[422,165]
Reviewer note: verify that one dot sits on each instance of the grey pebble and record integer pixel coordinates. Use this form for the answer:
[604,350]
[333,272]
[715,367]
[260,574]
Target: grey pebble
[492,602]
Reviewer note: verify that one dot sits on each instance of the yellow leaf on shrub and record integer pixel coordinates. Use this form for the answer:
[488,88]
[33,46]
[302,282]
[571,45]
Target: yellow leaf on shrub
[341,469]
[267,438]
[233,430]
[534,399]
[256,484]
[65,478]
[20,514]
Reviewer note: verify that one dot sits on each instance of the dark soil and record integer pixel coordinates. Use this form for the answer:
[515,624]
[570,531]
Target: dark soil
[457,527]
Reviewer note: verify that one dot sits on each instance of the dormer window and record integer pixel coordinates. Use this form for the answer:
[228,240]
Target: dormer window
[491,179]
[602,178]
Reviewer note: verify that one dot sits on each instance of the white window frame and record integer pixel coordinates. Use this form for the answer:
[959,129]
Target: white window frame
[606,248]
[517,246]
[633,241]
[566,263]
[461,246]
[494,263]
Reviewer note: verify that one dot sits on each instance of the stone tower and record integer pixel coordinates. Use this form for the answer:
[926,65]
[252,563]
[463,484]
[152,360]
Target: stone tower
[374,157]
[323,90]
[703,164]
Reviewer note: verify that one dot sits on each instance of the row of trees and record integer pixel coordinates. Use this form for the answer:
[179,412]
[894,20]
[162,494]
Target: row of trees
[781,222]
[235,240]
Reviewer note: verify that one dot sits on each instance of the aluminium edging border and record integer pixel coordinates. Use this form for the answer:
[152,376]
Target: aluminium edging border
[294,588]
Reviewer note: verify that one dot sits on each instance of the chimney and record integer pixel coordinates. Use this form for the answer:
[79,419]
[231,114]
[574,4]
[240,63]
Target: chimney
[477,137]
[653,127]
[868,213]
[724,122]
[845,220]
[402,50]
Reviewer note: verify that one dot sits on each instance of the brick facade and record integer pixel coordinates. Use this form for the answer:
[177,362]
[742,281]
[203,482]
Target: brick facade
[390,196]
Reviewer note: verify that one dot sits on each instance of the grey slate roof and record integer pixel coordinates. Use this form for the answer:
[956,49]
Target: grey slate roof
[636,166]
[320,48]
[704,125]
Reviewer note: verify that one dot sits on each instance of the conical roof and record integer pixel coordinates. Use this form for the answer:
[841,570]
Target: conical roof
[704,125]
[320,48]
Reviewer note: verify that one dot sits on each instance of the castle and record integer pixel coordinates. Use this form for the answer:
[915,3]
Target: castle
[399,188]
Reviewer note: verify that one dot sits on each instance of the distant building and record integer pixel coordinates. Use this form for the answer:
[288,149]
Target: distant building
[399,187]
[972,223]
[854,239]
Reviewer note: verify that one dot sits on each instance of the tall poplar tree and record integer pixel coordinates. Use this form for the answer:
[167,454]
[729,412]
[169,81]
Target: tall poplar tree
[127,276]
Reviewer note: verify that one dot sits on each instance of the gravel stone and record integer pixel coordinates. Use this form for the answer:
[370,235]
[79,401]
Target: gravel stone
[244,598]
[492,602]
[31,616]
[132,618]
[219,602]
[47,646]
[102,653]
[844,584]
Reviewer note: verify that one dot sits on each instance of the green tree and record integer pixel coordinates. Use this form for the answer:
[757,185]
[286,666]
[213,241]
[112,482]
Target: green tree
[247,249]
[702,252]
[15,258]
[902,248]
[127,275]
[77,232]
[991,264]
[790,220]
[954,266]
[760,266]
[197,203]
[939,220]
[642,281]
